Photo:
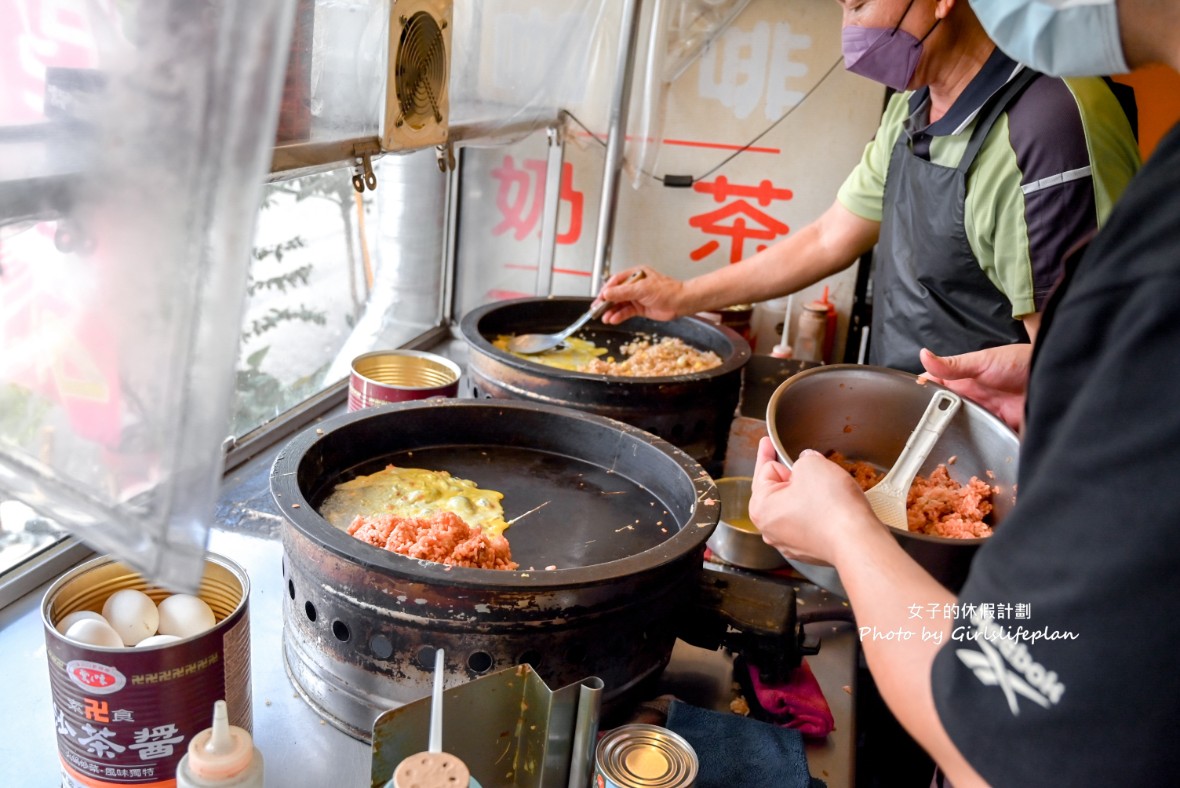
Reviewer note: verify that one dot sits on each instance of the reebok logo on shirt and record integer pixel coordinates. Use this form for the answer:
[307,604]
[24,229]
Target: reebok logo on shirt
[1005,662]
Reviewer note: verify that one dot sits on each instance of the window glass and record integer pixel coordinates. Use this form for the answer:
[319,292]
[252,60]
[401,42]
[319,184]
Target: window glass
[336,273]
[23,533]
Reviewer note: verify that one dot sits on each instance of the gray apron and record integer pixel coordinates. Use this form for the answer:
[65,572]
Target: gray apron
[928,288]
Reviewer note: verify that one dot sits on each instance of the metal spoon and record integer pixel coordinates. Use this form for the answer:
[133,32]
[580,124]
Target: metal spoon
[530,344]
[888,496]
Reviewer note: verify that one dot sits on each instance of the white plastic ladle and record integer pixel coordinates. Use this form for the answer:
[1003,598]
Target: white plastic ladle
[888,496]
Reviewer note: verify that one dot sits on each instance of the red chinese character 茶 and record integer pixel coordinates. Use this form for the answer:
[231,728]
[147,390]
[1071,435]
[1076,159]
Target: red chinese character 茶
[739,220]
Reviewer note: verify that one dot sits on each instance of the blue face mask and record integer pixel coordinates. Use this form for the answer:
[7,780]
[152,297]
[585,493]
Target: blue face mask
[1062,38]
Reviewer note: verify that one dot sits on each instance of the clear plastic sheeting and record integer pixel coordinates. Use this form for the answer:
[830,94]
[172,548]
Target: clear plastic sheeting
[346,43]
[519,66]
[134,144]
[690,26]
[513,65]
[678,32]
[516,64]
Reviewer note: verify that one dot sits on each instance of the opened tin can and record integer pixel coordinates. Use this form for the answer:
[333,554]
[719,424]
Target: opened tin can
[385,376]
[644,756]
[124,716]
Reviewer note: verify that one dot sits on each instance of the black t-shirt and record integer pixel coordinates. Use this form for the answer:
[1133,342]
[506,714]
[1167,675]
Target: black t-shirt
[1064,662]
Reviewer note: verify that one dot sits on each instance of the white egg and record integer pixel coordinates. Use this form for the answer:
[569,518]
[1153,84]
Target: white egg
[185,615]
[133,615]
[70,619]
[92,632]
[156,640]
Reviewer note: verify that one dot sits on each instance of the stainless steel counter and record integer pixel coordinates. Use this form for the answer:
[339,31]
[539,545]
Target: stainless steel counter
[300,748]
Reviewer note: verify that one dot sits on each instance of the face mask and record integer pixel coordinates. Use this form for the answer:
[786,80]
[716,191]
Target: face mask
[883,54]
[1062,38]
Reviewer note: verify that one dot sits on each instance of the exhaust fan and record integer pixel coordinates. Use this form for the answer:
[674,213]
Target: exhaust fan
[417,95]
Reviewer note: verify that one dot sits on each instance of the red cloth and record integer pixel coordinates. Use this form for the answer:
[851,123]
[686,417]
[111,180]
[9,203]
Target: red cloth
[796,703]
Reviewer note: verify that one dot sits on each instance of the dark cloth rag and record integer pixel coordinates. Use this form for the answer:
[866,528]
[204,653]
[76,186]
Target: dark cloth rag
[739,752]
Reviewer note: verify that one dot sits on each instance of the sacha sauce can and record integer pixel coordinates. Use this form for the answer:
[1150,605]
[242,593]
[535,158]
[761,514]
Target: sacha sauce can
[644,756]
[125,716]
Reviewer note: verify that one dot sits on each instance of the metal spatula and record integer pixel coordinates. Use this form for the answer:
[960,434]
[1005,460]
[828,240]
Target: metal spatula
[529,344]
[888,496]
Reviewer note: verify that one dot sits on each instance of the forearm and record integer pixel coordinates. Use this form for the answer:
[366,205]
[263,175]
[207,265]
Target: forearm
[903,618]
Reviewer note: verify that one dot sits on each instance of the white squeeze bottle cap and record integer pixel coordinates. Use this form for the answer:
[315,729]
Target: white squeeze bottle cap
[223,755]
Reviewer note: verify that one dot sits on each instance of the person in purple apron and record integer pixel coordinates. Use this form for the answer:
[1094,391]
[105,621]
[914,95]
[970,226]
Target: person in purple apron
[1055,664]
[982,174]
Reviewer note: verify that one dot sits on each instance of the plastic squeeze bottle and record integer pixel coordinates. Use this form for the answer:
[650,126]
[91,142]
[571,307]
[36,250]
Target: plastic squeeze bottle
[223,756]
[783,349]
[829,327]
[809,335]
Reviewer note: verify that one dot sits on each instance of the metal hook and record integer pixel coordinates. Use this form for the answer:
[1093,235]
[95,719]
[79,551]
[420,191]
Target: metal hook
[445,154]
[363,176]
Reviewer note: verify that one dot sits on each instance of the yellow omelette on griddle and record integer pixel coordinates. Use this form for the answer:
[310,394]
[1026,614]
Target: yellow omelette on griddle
[572,354]
[414,492]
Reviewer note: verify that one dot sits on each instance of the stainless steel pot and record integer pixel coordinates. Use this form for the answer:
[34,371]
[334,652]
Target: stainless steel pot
[736,541]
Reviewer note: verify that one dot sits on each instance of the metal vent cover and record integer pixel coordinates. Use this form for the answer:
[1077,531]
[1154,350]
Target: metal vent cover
[417,92]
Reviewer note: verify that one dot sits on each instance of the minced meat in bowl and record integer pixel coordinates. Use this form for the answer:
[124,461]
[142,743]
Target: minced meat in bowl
[936,505]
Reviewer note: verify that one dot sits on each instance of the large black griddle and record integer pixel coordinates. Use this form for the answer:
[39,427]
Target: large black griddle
[692,411]
[572,513]
[596,499]
[625,521]
[481,326]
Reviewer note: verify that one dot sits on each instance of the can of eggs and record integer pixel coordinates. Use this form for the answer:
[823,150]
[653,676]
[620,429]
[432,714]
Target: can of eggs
[644,756]
[124,714]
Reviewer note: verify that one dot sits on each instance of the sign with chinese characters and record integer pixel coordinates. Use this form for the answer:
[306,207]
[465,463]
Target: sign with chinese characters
[520,197]
[740,218]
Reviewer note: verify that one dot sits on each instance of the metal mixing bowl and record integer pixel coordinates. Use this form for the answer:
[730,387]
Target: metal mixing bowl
[867,413]
[736,540]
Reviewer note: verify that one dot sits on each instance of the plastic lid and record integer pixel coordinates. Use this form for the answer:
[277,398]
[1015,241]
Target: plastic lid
[222,751]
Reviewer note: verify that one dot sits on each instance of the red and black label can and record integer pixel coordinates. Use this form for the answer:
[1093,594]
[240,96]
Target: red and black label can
[124,716]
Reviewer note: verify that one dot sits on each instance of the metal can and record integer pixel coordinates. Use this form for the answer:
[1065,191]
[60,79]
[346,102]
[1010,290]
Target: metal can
[385,376]
[644,756]
[125,716]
